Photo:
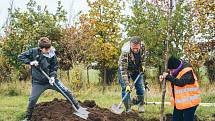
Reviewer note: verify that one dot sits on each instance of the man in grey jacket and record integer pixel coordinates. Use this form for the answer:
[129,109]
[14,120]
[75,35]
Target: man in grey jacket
[43,57]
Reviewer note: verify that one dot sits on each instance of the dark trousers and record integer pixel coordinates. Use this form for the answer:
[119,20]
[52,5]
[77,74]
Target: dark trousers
[184,115]
[38,89]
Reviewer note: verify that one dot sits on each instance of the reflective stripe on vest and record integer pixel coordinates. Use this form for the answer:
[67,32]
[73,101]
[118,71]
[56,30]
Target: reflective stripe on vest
[186,90]
[187,99]
[188,95]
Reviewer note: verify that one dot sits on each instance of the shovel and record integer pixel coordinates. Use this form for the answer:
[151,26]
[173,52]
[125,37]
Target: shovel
[117,109]
[79,111]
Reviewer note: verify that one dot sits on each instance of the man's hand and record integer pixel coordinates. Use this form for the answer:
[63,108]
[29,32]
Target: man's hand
[34,63]
[127,83]
[163,76]
[51,81]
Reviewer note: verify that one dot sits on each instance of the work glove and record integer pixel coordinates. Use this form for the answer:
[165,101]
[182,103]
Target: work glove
[51,81]
[34,63]
[128,88]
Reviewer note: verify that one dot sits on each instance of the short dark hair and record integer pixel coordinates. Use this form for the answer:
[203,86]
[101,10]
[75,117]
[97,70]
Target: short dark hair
[44,42]
[135,40]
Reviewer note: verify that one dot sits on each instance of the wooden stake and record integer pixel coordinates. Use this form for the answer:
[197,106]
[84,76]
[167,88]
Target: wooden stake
[166,59]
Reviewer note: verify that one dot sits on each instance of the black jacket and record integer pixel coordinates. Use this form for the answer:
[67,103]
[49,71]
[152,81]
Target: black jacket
[187,78]
[49,65]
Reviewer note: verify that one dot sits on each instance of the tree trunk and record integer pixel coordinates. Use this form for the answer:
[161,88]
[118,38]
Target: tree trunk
[104,81]
[109,75]
[88,80]
[60,74]
[68,75]
[210,64]
[166,59]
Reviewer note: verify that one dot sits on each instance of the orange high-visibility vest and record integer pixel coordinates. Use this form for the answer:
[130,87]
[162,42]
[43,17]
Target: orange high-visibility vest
[186,96]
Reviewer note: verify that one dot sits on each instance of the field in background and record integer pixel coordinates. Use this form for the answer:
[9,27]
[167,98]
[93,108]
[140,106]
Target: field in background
[14,96]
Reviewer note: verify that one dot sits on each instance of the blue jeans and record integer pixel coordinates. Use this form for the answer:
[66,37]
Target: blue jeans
[138,85]
[184,115]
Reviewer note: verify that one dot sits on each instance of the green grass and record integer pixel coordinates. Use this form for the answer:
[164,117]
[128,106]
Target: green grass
[13,107]
[14,97]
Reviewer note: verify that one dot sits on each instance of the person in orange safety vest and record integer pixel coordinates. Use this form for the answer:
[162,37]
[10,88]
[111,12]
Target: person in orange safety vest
[185,92]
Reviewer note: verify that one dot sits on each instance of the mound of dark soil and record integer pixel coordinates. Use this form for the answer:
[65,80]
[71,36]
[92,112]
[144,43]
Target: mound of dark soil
[61,110]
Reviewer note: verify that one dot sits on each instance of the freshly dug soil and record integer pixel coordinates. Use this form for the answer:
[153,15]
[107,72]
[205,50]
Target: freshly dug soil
[61,110]
[213,116]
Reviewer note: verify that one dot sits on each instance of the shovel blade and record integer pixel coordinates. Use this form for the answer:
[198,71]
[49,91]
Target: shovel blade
[84,116]
[83,110]
[116,110]
[82,113]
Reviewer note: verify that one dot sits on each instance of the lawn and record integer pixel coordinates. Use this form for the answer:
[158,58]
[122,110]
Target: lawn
[13,107]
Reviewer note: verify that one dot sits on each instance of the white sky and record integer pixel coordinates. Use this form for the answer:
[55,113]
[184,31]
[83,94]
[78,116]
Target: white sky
[71,6]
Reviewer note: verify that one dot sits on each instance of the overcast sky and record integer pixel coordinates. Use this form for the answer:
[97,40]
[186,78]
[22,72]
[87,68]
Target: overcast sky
[71,6]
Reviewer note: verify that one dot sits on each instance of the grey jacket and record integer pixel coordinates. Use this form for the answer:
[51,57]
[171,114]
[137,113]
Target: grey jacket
[48,64]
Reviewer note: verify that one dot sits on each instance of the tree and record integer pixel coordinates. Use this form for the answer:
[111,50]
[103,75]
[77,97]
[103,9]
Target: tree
[150,24]
[5,67]
[204,28]
[210,62]
[204,16]
[74,44]
[149,21]
[26,27]
[105,35]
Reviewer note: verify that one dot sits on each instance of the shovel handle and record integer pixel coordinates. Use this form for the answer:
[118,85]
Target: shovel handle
[122,100]
[60,90]
[46,75]
[131,90]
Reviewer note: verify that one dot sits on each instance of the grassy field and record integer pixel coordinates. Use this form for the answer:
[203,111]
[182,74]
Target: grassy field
[14,97]
[12,108]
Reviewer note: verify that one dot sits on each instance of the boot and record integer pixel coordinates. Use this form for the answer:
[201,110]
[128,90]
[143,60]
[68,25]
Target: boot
[26,119]
[134,101]
[127,104]
[28,114]
[140,103]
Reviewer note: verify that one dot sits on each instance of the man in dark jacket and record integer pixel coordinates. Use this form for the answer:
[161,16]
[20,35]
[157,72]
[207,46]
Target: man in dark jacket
[42,57]
[130,65]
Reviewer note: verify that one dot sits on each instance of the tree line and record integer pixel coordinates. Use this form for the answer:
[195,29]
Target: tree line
[97,36]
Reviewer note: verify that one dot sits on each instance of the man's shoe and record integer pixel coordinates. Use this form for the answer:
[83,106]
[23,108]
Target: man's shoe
[128,111]
[26,119]
[141,109]
[134,101]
